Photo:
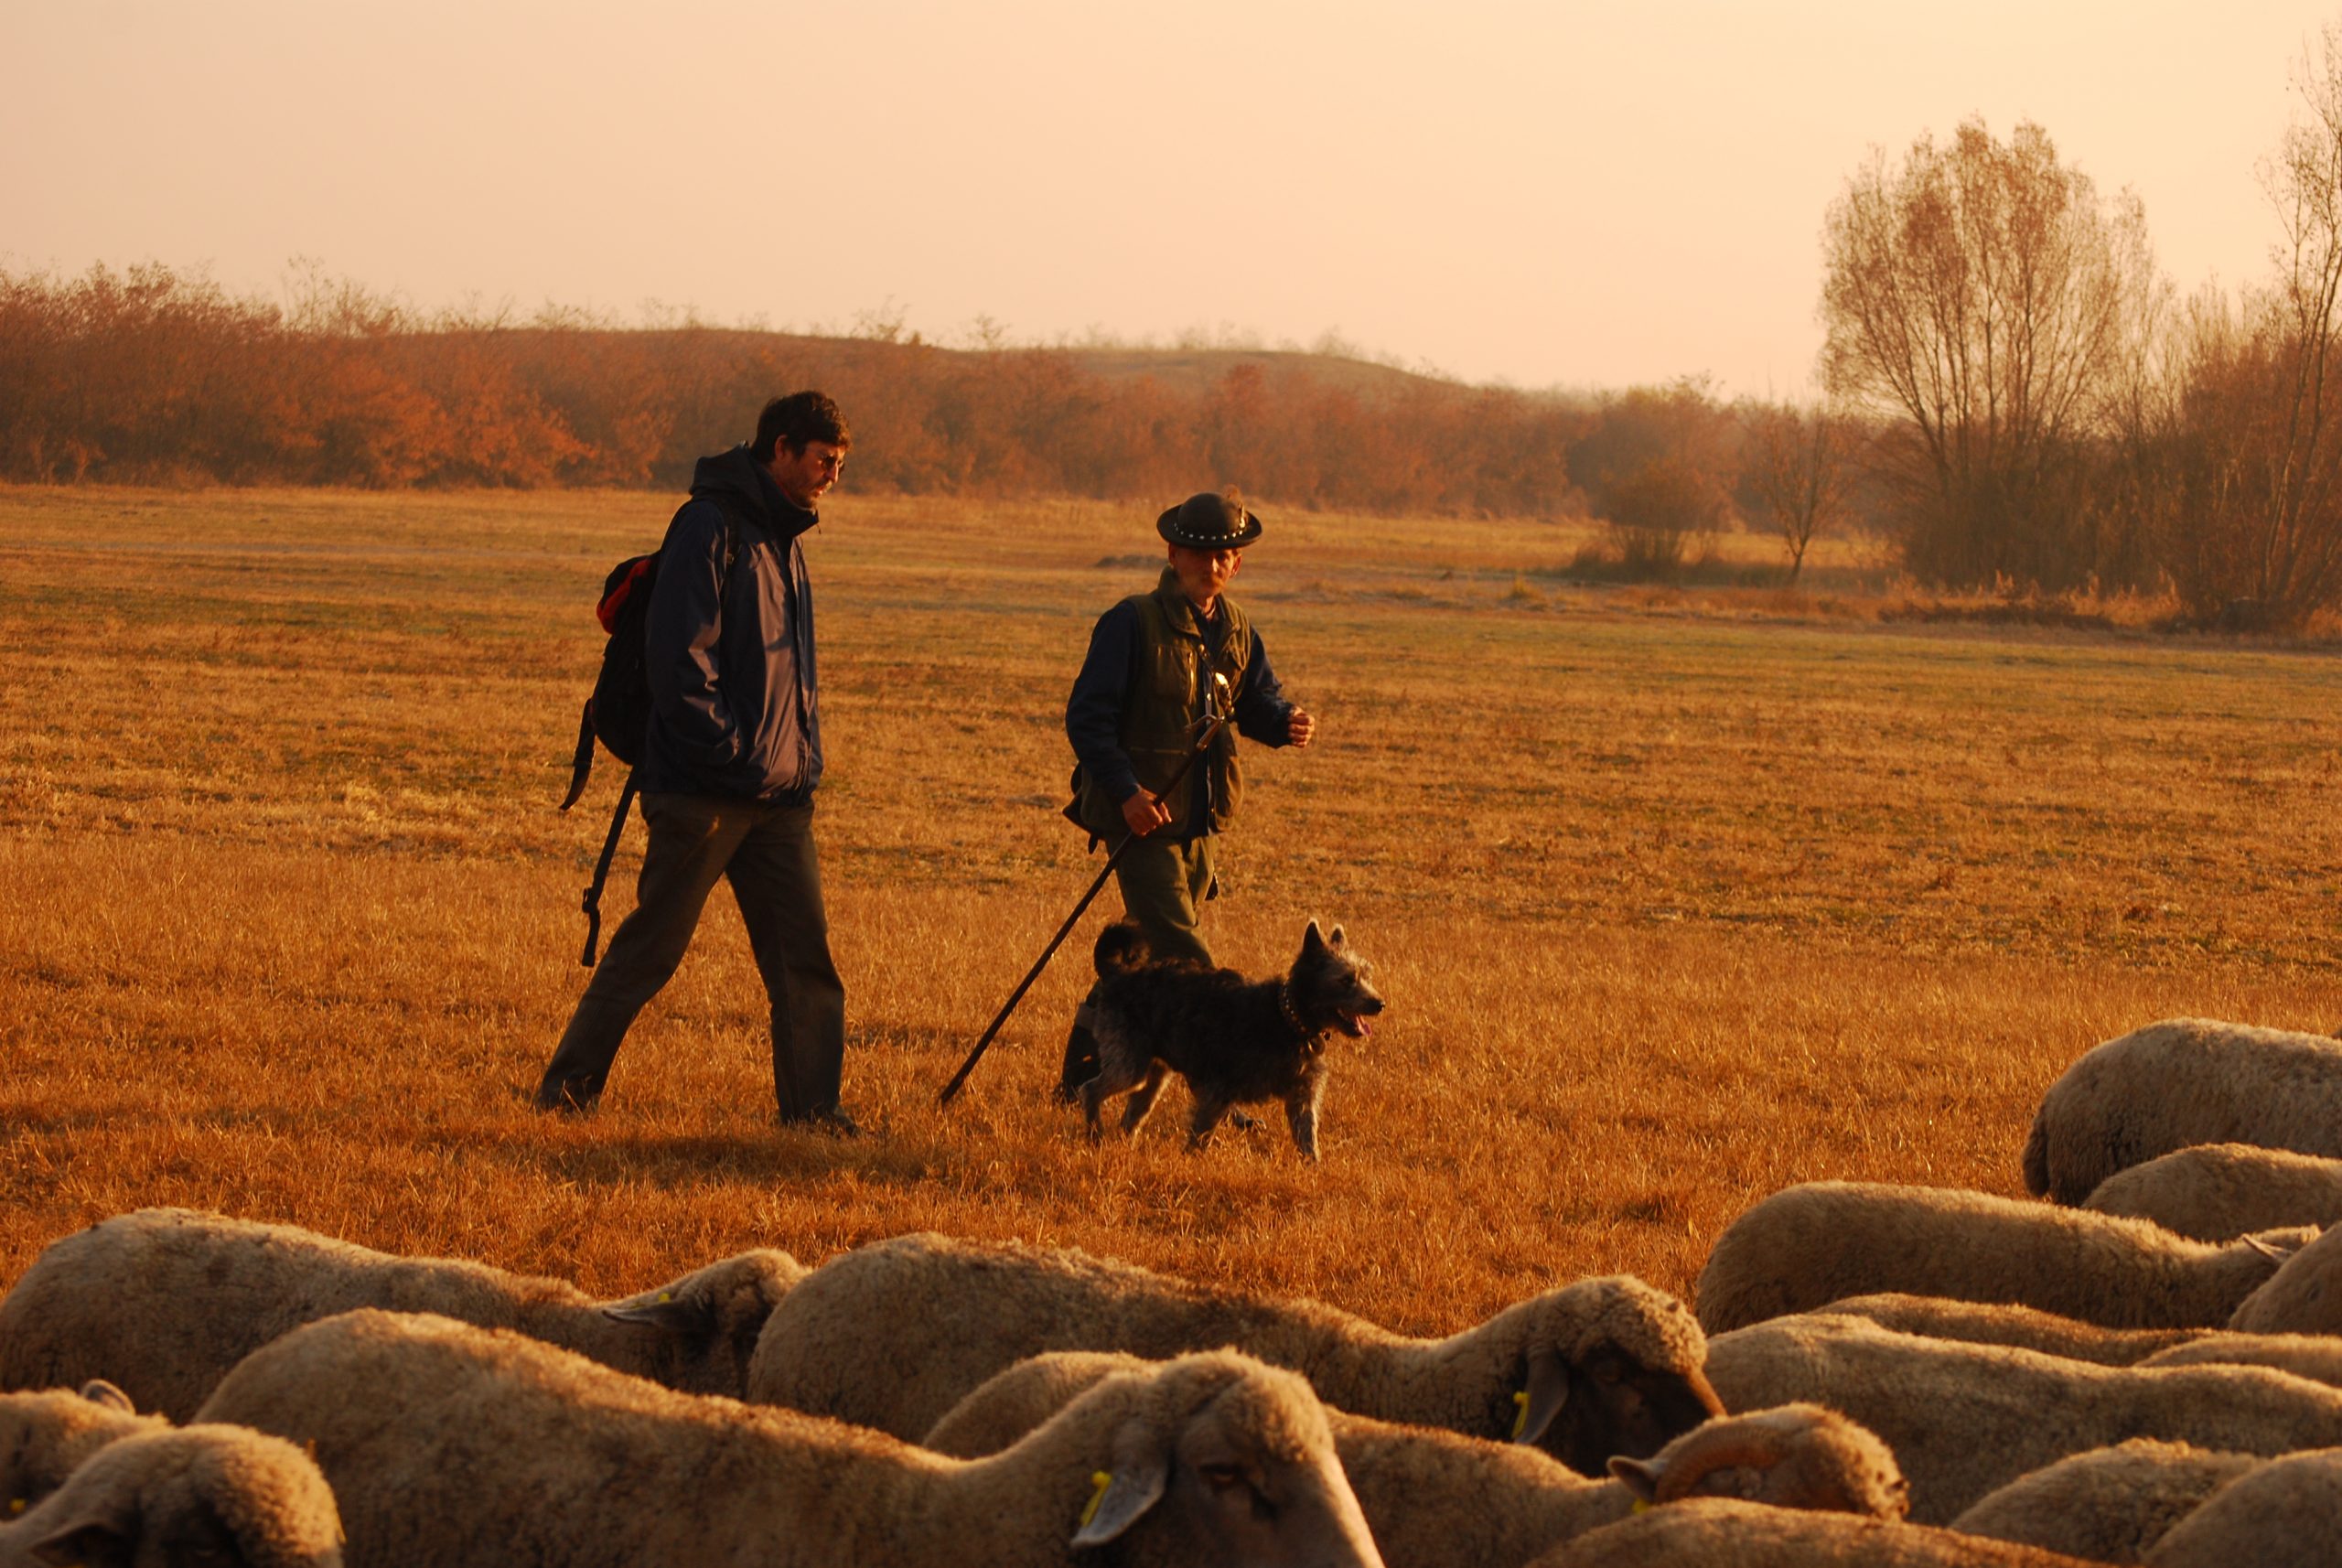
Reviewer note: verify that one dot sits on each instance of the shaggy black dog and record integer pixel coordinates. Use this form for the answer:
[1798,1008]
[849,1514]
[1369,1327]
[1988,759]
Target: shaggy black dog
[1237,1042]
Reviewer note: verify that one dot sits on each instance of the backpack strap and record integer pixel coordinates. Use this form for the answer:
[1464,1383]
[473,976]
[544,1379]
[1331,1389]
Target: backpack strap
[581,764]
[593,902]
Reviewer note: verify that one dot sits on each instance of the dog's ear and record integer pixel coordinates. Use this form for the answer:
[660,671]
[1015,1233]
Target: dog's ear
[1337,938]
[1312,940]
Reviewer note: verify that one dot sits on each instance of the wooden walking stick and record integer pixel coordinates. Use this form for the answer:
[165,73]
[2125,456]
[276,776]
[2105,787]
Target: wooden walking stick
[1215,715]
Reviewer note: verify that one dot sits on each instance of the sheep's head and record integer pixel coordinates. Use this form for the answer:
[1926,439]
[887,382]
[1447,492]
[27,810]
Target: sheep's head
[1226,1461]
[2303,1293]
[45,1434]
[1607,1366]
[1793,1456]
[197,1494]
[708,1320]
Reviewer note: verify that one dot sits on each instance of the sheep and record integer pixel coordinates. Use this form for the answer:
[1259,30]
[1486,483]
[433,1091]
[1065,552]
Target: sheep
[45,1433]
[894,1334]
[186,1495]
[1710,1532]
[164,1301]
[1965,1419]
[455,1445]
[2106,1504]
[2305,1296]
[1434,1497]
[2002,1323]
[2218,1191]
[1806,1246]
[2178,1083]
[2286,1513]
[2315,1357]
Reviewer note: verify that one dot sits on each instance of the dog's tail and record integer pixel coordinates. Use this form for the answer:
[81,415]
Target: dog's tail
[1122,947]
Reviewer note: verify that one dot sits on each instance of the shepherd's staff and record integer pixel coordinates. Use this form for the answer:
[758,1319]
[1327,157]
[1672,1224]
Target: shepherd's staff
[1216,715]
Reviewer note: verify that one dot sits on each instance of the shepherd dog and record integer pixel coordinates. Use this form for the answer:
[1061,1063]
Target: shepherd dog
[1236,1041]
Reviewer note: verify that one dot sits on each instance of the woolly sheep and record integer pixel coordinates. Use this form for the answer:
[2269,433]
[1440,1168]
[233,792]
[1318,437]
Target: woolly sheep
[2003,1323]
[2178,1083]
[1715,1533]
[1965,1419]
[2316,1357]
[164,1301]
[1436,1497]
[455,1446]
[2305,1296]
[46,1433]
[2286,1513]
[191,1495]
[2107,1504]
[1807,1246]
[2221,1190]
[895,1334]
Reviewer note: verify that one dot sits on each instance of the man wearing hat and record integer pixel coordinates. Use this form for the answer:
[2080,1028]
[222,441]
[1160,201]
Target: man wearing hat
[1157,663]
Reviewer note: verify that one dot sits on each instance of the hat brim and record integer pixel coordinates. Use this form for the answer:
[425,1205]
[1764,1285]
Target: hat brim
[1168,525]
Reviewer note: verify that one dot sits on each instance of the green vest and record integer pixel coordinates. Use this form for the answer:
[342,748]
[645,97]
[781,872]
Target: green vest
[1165,701]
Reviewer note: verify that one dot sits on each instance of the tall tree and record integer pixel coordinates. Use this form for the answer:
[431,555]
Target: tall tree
[1981,297]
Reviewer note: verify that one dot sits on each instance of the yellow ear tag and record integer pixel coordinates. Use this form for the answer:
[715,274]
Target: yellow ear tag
[15,1507]
[1640,1506]
[666,1296]
[1099,1481]
[1520,1414]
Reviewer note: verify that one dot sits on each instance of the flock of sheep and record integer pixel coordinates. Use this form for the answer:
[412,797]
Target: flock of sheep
[2147,1369]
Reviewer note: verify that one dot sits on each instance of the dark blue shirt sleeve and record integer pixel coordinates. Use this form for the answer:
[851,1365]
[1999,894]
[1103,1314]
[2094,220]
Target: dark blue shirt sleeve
[1262,711]
[679,635]
[1093,713]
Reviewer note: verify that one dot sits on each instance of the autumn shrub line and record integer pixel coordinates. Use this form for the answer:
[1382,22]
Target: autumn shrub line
[153,374]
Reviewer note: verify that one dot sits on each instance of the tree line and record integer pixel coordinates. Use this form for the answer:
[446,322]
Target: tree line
[2010,394]
[151,374]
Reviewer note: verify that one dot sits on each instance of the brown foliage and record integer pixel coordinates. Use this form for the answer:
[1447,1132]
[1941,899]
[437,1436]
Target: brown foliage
[153,374]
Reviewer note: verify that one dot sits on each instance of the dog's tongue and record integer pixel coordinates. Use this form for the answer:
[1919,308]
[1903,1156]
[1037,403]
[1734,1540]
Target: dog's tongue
[1365,1024]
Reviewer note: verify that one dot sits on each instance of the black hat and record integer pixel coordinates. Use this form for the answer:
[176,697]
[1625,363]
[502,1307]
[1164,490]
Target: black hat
[1207,520]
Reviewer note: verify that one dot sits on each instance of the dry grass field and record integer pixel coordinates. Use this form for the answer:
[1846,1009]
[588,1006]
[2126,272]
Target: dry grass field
[1677,898]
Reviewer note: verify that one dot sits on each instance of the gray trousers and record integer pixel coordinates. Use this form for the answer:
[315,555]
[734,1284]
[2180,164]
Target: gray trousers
[767,853]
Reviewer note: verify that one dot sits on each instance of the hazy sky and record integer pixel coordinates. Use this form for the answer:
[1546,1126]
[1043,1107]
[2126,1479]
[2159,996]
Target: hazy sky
[1585,194]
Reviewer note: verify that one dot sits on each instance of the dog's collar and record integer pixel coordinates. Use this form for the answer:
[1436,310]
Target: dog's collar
[1293,1014]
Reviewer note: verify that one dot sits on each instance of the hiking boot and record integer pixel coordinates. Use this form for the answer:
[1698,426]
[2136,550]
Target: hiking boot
[569,1096]
[830,1122]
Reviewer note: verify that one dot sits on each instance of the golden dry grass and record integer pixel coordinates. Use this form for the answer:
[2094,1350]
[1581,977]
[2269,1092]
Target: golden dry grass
[1678,898]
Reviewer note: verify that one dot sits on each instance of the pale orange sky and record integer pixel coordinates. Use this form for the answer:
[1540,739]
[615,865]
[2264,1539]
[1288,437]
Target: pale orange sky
[1587,195]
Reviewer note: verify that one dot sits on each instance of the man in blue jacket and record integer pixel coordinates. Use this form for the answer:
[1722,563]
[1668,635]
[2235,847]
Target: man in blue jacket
[730,764]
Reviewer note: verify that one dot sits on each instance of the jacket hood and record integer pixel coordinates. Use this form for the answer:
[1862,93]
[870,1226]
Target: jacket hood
[736,476]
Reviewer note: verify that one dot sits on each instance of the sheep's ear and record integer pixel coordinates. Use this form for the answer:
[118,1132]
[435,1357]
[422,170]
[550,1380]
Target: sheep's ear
[1639,1476]
[2278,1251]
[1142,1470]
[94,1541]
[666,1310]
[97,1391]
[1542,1396]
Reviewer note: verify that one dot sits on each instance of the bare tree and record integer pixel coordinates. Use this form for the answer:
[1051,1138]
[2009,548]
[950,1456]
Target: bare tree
[2257,431]
[1793,472]
[1981,296]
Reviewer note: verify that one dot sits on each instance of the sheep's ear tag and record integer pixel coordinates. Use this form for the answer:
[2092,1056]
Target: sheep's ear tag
[15,1507]
[1640,1506]
[1099,1481]
[1520,1416]
[1119,1499]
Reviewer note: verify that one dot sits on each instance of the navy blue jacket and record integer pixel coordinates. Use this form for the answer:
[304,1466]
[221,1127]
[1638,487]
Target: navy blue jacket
[734,705]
